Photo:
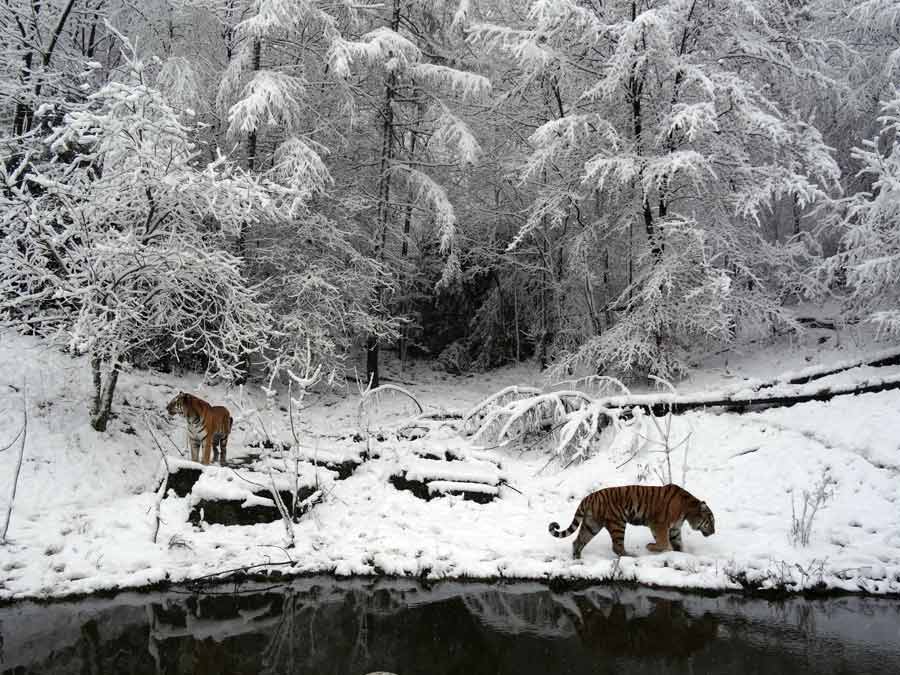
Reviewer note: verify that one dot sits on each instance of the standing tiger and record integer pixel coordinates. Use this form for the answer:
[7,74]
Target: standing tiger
[206,424]
[662,508]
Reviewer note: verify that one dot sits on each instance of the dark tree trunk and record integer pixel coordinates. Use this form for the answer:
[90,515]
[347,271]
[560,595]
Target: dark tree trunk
[98,385]
[101,408]
[372,349]
[406,305]
[384,192]
[251,153]
[245,364]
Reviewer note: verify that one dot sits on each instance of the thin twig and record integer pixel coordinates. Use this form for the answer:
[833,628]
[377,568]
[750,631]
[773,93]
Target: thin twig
[23,434]
[163,487]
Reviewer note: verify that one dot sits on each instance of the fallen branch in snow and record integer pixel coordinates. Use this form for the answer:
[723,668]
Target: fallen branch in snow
[887,357]
[585,384]
[174,445]
[498,400]
[23,435]
[504,483]
[813,322]
[282,509]
[216,577]
[580,419]
[740,402]
[164,485]
[377,395]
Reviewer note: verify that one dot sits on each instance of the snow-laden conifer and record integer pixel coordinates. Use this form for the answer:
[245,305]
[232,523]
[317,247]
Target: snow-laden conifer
[667,140]
[869,255]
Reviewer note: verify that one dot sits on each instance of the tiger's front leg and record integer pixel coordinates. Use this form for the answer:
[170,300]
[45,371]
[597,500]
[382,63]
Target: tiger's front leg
[661,534]
[617,534]
[195,450]
[675,538]
[207,448]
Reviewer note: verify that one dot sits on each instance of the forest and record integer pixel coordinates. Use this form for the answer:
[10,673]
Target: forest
[242,187]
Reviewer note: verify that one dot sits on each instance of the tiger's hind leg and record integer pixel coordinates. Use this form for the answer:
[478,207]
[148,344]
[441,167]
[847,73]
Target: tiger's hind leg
[661,534]
[586,532]
[617,534]
[223,445]
[675,538]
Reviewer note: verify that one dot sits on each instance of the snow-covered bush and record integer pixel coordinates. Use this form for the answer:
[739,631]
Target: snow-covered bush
[119,245]
[319,289]
[803,517]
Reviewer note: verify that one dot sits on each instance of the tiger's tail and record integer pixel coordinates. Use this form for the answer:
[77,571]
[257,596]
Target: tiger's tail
[576,521]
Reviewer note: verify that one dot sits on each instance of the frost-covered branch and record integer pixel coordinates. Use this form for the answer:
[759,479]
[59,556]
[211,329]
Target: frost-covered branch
[21,437]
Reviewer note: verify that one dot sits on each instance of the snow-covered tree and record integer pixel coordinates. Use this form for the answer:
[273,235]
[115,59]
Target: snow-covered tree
[869,254]
[666,148]
[363,106]
[119,248]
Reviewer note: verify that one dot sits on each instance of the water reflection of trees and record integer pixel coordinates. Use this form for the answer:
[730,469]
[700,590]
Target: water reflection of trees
[324,626]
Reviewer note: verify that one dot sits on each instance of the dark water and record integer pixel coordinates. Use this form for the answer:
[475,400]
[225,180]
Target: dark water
[322,626]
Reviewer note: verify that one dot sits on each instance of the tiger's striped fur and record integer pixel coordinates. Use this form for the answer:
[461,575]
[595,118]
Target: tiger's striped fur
[661,508]
[207,424]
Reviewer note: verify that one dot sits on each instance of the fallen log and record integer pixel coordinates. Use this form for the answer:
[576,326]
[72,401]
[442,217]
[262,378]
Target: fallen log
[786,396]
[578,421]
[887,357]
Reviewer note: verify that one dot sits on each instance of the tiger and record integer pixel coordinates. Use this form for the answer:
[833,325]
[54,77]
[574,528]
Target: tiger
[206,424]
[662,508]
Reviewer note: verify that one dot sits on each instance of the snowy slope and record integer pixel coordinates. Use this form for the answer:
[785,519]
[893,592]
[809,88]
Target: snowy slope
[83,518]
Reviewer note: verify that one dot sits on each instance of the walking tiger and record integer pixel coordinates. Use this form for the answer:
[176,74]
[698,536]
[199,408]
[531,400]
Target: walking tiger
[662,508]
[209,425]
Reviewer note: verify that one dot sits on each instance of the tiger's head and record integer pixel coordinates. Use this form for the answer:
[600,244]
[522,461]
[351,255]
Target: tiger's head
[177,404]
[702,518]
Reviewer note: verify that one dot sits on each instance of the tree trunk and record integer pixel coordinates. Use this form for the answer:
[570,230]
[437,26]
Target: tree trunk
[46,59]
[100,415]
[251,153]
[516,323]
[404,244]
[384,192]
[243,370]
[372,348]
[98,385]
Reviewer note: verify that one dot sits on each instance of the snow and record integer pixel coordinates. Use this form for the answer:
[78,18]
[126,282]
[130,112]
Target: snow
[469,472]
[83,518]
[443,486]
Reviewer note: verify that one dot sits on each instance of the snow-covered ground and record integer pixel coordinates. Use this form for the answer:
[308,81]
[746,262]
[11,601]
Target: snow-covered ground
[83,518]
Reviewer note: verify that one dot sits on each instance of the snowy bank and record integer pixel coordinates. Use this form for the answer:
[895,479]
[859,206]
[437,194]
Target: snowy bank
[83,519]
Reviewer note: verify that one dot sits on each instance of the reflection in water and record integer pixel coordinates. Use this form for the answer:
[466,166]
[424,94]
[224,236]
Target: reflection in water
[667,630]
[353,627]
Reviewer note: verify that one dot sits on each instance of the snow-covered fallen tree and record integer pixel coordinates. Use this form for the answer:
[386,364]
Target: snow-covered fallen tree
[574,420]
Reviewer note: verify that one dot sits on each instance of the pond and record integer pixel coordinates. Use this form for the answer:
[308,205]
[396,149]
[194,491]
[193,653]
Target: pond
[321,625]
